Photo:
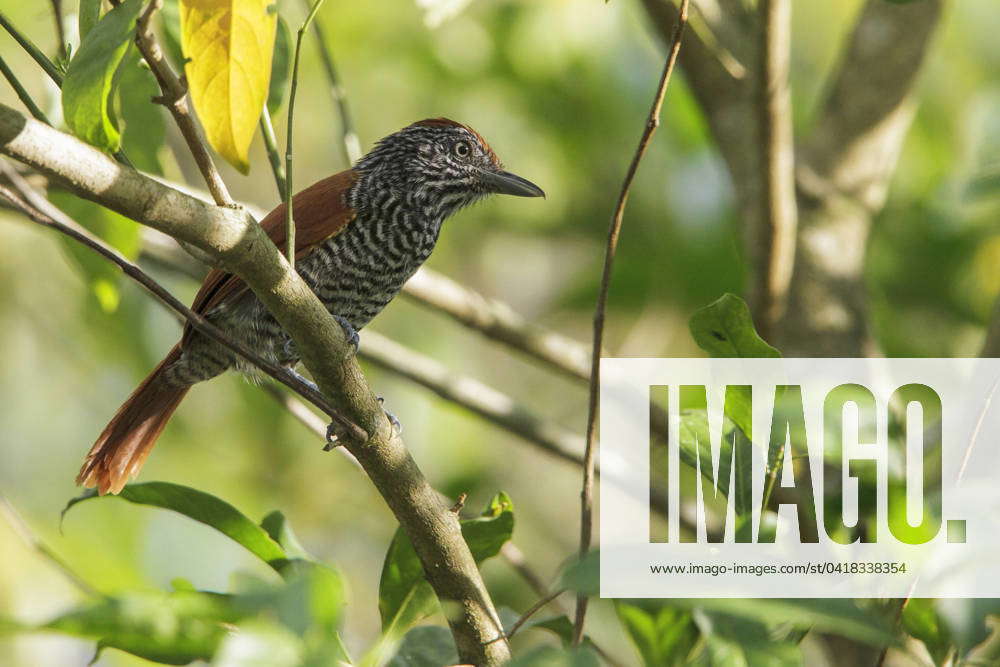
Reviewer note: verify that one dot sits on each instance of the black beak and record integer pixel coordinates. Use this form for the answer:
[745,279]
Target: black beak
[506,183]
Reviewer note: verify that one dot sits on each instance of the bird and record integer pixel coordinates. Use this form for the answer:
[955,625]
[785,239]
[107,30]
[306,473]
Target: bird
[360,235]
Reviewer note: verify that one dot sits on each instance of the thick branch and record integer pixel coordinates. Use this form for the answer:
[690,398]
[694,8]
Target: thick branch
[845,167]
[236,241]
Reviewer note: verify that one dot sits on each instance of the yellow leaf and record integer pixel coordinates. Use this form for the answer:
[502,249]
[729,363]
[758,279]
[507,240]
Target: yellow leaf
[228,44]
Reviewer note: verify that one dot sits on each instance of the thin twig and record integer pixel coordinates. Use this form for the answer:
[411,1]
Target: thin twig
[39,210]
[293,89]
[587,492]
[35,543]
[60,28]
[774,241]
[473,395]
[271,147]
[498,321]
[532,610]
[36,54]
[174,98]
[22,94]
[349,142]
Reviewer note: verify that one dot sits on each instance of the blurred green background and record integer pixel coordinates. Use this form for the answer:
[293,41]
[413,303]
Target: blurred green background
[561,89]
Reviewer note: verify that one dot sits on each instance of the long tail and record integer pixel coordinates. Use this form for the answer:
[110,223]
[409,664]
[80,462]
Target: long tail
[126,441]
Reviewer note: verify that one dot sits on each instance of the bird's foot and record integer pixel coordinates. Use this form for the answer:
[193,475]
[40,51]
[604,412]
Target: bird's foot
[333,439]
[397,428]
[350,333]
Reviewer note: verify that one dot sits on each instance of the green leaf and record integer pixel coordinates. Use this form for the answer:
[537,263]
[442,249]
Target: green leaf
[724,328]
[206,509]
[101,276]
[229,45]
[921,621]
[583,575]
[427,646]
[663,634]
[549,656]
[732,641]
[88,16]
[145,129]
[87,89]
[835,616]
[172,628]
[405,597]
[281,67]
[695,447]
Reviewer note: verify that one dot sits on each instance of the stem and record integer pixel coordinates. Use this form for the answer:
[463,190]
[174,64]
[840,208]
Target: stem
[587,492]
[22,94]
[531,611]
[774,245]
[271,145]
[33,51]
[349,142]
[174,97]
[60,28]
[289,188]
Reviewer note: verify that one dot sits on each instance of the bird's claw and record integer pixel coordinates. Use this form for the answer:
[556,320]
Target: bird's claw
[397,428]
[350,333]
[332,437]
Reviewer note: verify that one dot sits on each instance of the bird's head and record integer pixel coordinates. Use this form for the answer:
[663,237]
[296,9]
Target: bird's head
[441,163]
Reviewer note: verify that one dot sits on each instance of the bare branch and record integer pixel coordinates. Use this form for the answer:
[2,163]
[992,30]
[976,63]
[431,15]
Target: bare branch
[773,249]
[587,493]
[349,141]
[237,242]
[526,616]
[174,97]
[21,93]
[473,395]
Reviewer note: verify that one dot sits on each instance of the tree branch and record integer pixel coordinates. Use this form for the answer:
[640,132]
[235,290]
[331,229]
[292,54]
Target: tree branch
[586,494]
[174,98]
[845,167]
[233,239]
[40,210]
[773,248]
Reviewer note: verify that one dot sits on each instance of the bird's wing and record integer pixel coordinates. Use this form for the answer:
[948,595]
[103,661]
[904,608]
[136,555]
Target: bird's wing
[321,211]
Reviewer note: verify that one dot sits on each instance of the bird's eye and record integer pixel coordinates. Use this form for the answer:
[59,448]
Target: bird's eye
[461,149]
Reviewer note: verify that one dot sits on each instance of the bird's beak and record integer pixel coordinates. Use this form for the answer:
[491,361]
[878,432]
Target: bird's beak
[506,183]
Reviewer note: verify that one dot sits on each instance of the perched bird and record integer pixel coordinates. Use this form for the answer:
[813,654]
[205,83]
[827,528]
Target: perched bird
[359,236]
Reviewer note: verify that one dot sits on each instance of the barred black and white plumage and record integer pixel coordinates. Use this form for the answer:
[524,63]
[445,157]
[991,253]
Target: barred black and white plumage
[360,236]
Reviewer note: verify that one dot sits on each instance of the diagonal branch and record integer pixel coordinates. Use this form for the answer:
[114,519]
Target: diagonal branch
[174,97]
[587,493]
[233,239]
[40,210]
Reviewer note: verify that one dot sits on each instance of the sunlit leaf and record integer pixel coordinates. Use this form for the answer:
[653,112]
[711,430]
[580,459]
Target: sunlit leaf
[228,45]
[205,508]
[87,89]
